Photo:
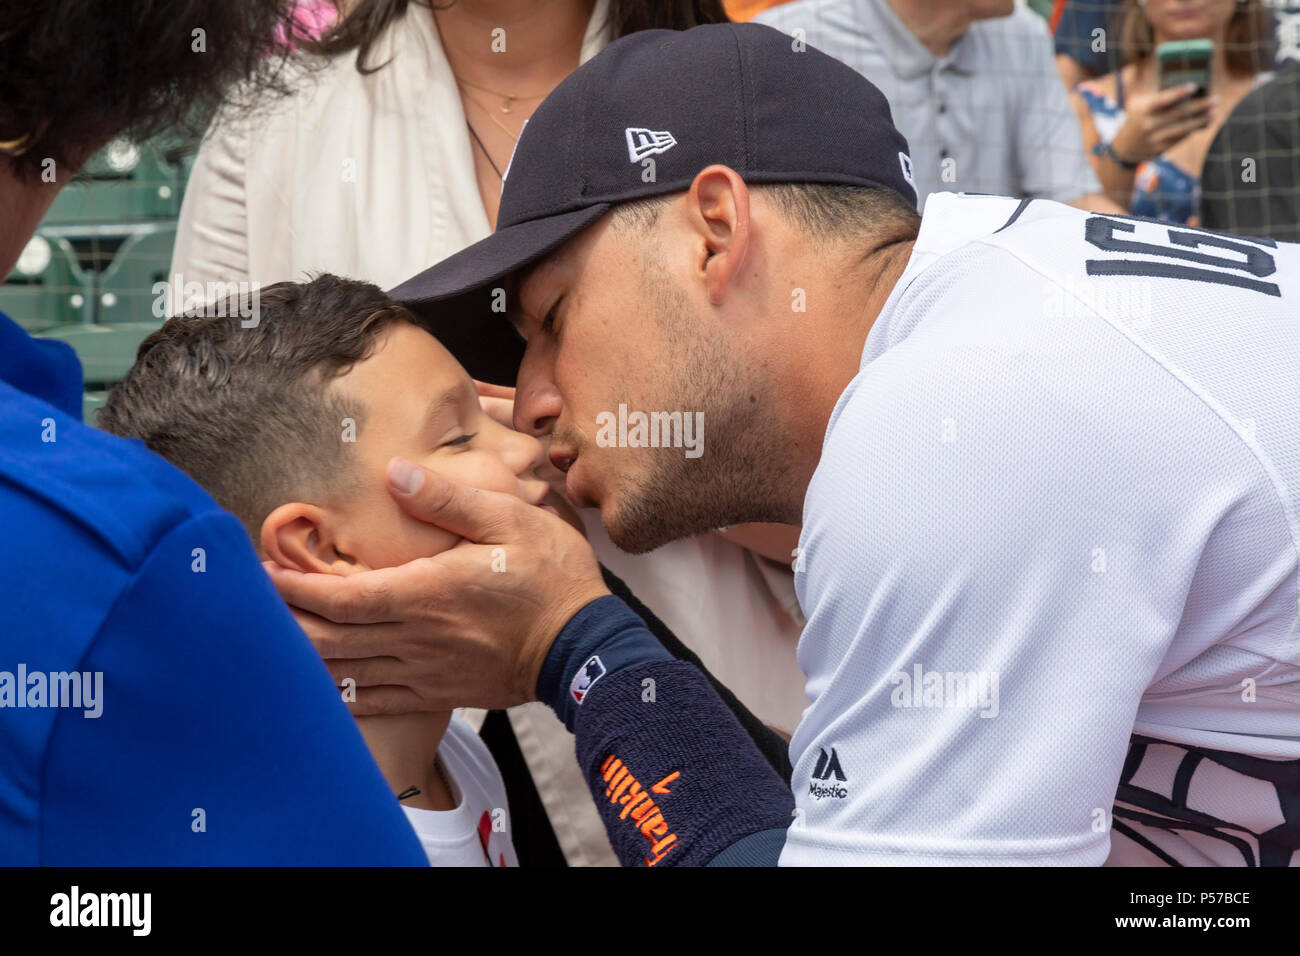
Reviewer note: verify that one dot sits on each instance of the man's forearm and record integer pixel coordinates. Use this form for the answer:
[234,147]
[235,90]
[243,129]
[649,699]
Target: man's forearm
[677,779]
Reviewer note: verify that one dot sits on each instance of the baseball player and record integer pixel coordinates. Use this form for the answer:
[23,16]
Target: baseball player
[1046,463]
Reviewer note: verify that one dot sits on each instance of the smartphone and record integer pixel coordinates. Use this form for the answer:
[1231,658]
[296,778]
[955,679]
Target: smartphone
[1185,61]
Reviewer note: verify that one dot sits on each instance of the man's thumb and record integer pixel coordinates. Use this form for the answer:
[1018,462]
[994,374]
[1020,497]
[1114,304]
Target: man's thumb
[404,476]
[438,500]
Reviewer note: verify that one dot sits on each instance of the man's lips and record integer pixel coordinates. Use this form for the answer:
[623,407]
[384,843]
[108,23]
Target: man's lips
[562,459]
[576,497]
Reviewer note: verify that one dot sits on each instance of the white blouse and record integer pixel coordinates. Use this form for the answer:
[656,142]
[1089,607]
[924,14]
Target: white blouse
[373,177]
[366,176]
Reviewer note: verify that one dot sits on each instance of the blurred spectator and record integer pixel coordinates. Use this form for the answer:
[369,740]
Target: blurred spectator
[1082,51]
[389,159]
[971,85]
[1148,145]
[1251,181]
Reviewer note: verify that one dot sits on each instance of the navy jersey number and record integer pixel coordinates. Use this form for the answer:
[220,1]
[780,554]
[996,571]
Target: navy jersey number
[1184,247]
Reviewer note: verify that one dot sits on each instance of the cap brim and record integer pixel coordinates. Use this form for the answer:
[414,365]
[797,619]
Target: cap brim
[492,259]
[454,300]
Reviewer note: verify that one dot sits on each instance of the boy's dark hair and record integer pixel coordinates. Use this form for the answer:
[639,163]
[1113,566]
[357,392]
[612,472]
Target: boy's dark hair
[248,412]
[77,72]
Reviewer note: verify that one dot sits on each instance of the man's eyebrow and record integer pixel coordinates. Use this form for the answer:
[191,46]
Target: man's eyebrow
[525,276]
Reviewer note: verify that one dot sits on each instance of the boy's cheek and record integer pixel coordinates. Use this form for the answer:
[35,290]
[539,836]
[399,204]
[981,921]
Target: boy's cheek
[392,537]
[479,469]
[416,539]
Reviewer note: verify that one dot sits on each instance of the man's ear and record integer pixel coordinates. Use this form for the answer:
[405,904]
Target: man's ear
[301,537]
[718,207]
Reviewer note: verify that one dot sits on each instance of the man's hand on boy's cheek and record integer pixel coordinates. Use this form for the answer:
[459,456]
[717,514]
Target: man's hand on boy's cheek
[469,627]
[498,402]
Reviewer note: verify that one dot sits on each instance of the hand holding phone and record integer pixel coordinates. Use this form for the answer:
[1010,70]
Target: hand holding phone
[1182,103]
[1185,61]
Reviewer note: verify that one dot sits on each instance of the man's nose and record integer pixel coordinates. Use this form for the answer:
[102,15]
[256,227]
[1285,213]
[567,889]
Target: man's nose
[537,400]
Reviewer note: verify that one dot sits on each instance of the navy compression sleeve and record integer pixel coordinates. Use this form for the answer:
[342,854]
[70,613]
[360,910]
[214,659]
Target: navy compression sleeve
[771,744]
[675,776]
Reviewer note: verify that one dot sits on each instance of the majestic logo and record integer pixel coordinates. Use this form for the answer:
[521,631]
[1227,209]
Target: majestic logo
[642,142]
[591,672]
[828,767]
[906,162]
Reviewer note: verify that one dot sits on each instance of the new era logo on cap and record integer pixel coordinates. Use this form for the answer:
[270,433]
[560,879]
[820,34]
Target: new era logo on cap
[905,162]
[642,142]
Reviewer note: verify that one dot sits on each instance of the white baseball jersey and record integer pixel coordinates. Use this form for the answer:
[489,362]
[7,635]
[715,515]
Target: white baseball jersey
[1050,553]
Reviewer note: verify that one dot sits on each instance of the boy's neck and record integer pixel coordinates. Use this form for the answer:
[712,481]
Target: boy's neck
[406,748]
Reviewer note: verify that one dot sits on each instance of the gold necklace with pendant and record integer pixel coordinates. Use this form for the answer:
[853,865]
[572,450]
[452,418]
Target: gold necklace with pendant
[507,99]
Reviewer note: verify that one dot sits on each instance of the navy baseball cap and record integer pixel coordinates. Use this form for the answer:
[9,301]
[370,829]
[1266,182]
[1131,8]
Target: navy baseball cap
[642,118]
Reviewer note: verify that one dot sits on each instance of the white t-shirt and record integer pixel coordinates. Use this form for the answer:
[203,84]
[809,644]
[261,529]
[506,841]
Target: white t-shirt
[1057,507]
[477,832]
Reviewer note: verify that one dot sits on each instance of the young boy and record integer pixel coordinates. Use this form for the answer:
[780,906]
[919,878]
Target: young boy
[289,425]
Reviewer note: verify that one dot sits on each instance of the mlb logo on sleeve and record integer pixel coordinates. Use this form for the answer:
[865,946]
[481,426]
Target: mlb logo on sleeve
[587,675]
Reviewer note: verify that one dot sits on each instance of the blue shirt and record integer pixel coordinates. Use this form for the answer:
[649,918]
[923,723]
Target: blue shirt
[196,723]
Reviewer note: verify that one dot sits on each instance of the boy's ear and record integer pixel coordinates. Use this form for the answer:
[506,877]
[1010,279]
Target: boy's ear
[301,537]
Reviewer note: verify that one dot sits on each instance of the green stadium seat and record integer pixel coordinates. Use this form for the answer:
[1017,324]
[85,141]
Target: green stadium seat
[126,287]
[107,352]
[91,403]
[121,183]
[48,287]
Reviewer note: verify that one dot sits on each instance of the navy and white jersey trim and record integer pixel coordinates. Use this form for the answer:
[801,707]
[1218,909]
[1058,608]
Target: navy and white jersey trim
[1174,789]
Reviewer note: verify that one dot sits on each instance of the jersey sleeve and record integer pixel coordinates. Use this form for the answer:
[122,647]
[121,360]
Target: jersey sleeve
[989,592]
[220,738]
